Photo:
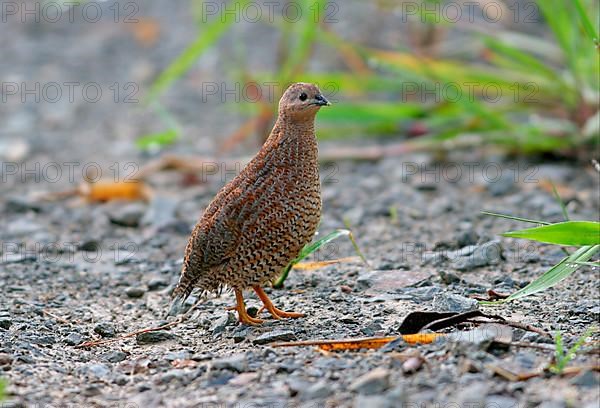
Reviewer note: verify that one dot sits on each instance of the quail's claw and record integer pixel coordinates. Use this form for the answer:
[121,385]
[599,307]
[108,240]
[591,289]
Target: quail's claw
[243,315]
[275,312]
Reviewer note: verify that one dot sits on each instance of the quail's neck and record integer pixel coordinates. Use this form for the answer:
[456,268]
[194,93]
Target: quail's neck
[291,143]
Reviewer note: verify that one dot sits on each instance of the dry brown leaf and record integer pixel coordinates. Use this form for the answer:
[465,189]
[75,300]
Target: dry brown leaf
[362,343]
[307,266]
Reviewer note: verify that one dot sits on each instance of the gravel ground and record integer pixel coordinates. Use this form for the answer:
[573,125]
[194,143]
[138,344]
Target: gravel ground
[73,271]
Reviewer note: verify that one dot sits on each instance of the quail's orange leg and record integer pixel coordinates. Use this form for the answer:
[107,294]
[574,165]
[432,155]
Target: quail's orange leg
[276,313]
[243,316]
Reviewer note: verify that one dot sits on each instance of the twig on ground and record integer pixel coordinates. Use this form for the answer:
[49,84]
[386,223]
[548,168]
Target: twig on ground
[517,325]
[510,376]
[135,333]
[55,317]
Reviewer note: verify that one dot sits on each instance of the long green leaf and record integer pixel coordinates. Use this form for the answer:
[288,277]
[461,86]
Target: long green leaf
[526,60]
[553,276]
[585,20]
[307,250]
[2,389]
[574,233]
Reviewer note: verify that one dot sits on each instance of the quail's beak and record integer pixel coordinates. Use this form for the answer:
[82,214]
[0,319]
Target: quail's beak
[321,101]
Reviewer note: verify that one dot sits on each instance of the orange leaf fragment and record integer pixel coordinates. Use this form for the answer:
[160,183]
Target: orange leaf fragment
[362,343]
[307,266]
[121,190]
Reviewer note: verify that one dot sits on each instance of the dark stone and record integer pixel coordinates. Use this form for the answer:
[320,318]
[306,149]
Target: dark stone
[21,205]
[449,302]
[275,335]
[5,323]
[448,277]
[317,390]
[588,379]
[153,337]
[374,382]
[157,283]
[105,330]
[6,359]
[44,340]
[499,186]
[96,370]
[466,237]
[135,293]
[236,362]
[128,215]
[114,356]
[89,245]
[221,323]
[475,256]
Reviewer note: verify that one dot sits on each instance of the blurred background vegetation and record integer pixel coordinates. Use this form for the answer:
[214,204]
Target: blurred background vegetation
[450,83]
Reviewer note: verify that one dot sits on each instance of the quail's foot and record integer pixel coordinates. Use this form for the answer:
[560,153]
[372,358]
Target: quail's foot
[243,315]
[275,312]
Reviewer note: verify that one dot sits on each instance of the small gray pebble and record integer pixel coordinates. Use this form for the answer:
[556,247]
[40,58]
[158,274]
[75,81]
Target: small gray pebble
[153,337]
[73,339]
[135,292]
[275,335]
[105,330]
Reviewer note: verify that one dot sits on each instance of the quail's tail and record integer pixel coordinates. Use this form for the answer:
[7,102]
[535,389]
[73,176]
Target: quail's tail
[180,294]
[182,291]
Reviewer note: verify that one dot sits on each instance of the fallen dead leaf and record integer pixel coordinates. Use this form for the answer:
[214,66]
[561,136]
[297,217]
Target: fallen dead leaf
[122,190]
[307,266]
[362,343]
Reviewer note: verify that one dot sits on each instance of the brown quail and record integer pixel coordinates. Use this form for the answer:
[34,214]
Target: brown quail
[260,220]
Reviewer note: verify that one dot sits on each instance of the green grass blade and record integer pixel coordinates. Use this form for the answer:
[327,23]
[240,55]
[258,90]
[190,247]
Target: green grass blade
[2,389]
[592,264]
[556,274]
[207,38]
[523,59]
[559,352]
[556,13]
[310,28]
[357,249]
[585,21]
[510,217]
[574,233]
[157,139]
[580,342]
[562,358]
[560,202]
[307,250]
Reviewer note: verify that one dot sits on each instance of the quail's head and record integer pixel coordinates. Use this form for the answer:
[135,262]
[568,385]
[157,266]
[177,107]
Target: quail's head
[302,101]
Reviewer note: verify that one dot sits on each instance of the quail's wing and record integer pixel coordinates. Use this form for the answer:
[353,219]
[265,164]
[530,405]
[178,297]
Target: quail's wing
[219,231]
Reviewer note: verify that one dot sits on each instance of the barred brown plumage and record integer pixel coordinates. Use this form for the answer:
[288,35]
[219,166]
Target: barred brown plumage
[261,220]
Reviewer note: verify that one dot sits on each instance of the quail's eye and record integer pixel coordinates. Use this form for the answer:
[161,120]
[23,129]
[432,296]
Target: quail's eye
[303,96]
